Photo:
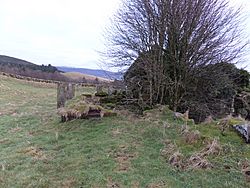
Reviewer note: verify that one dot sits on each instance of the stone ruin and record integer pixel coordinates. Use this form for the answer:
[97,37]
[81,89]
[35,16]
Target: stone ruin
[65,91]
[84,106]
[244,131]
[99,88]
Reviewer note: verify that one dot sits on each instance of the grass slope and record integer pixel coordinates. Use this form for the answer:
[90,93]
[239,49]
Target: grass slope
[79,76]
[10,64]
[36,150]
[94,72]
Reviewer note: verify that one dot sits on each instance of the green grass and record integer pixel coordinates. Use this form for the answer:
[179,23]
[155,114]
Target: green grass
[83,153]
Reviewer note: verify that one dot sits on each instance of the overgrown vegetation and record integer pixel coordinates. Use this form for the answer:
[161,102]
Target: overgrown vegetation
[36,150]
[178,56]
[215,95]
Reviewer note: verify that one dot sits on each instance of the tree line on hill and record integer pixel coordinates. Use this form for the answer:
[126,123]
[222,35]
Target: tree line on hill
[21,67]
[31,70]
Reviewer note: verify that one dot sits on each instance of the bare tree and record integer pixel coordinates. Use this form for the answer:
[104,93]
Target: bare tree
[171,41]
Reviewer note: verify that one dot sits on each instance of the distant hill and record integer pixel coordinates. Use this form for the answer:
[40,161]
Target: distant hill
[7,61]
[21,67]
[80,77]
[12,60]
[94,72]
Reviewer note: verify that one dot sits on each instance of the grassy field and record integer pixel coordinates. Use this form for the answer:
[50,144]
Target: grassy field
[36,150]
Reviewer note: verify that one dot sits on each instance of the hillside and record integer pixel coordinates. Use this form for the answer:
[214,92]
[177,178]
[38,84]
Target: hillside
[36,150]
[11,60]
[94,72]
[24,68]
[84,77]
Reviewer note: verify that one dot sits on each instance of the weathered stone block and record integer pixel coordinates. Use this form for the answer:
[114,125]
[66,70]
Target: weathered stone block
[244,131]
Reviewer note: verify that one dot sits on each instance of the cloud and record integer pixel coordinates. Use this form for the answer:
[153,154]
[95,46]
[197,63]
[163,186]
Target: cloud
[60,32]
[54,30]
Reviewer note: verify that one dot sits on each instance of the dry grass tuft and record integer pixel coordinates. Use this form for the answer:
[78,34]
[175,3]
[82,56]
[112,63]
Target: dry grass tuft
[176,160]
[157,185]
[208,120]
[14,130]
[245,169]
[213,148]
[153,114]
[68,183]
[123,158]
[36,153]
[135,185]
[3,167]
[3,141]
[224,124]
[198,162]
[168,150]
[112,184]
[116,132]
[171,153]
[191,137]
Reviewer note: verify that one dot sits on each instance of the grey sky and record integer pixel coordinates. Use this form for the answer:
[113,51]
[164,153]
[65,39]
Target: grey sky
[61,32]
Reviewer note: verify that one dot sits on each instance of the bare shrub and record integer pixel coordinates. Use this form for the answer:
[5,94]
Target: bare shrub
[213,148]
[173,51]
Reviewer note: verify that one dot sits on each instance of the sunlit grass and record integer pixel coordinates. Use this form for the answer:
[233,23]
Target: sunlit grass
[36,150]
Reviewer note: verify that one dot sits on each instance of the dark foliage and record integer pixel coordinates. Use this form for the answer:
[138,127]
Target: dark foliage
[178,56]
[23,68]
[212,91]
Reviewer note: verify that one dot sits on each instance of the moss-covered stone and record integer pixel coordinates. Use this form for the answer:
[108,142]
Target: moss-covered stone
[101,94]
[109,113]
[88,95]
[82,107]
